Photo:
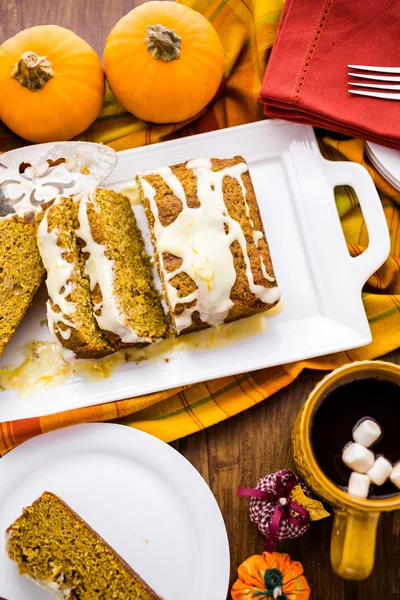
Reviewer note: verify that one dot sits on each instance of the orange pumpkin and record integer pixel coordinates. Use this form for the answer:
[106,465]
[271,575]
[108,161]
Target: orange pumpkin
[164,62]
[270,576]
[51,84]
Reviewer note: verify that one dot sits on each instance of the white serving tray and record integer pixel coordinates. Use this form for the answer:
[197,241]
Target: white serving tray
[320,283]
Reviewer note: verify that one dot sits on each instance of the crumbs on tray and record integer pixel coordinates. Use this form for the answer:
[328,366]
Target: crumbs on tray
[44,366]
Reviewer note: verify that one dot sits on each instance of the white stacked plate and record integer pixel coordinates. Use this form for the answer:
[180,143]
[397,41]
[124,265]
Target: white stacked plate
[386,161]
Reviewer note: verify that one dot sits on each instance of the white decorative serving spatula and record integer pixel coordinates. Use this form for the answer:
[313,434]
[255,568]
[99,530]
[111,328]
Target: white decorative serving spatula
[34,175]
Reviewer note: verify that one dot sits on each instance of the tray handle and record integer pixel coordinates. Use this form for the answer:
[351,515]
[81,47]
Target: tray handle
[347,173]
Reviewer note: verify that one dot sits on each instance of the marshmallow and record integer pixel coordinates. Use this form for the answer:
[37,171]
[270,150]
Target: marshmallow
[366,432]
[380,470]
[357,457]
[358,485]
[395,475]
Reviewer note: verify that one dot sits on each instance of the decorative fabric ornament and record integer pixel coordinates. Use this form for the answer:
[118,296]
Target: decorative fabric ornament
[271,576]
[272,510]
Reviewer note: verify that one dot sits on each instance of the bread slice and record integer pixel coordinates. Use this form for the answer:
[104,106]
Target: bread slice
[209,240]
[21,273]
[69,308]
[126,305]
[57,550]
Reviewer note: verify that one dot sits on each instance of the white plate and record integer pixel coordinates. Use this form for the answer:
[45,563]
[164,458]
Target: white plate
[320,283]
[139,494]
[387,162]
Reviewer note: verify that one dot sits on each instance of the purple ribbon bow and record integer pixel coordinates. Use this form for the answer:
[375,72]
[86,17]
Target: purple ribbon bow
[283,507]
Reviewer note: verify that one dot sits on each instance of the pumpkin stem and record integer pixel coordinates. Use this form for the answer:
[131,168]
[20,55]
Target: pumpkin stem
[163,43]
[33,71]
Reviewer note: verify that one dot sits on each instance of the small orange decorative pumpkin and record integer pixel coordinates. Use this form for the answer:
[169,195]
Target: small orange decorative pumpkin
[270,577]
[51,84]
[164,62]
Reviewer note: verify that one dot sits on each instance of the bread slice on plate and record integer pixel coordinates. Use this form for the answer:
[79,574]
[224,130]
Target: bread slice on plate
[57,550]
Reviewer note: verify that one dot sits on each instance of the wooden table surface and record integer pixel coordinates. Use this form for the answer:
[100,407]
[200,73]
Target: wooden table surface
[240,450]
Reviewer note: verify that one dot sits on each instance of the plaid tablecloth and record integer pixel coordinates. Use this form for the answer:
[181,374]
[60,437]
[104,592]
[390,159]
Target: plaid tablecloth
[247,29]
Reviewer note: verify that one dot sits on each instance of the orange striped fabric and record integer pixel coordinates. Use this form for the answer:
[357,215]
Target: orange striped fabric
[247,29]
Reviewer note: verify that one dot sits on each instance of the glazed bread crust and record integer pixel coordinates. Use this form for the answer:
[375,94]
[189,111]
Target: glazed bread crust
[243,208]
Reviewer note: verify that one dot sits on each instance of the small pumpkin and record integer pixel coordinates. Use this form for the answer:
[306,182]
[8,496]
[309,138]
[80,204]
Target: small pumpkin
[270,576]
[51,84]
[164,62]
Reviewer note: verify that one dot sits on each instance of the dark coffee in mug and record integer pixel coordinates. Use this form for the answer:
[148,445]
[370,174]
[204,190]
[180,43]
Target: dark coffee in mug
[338,413]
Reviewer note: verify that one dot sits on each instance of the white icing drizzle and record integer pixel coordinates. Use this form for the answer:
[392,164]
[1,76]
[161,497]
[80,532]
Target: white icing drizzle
[257,236]
[198,237]
[59,273]
[264,271]
[100,270]
[53,587]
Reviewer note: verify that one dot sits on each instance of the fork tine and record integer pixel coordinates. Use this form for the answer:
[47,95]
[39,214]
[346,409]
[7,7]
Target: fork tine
[392,88]
[376,94]
[375,77]
[376,69]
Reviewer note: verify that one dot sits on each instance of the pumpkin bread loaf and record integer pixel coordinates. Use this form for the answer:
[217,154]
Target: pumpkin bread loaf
[57,550]
[126,305]
[21,273]
[69,308]
[209,240]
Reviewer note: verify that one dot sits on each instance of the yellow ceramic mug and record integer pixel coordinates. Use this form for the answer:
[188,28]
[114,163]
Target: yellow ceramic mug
[355,519]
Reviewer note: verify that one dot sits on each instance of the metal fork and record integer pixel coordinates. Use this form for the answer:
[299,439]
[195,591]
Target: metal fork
[376,76]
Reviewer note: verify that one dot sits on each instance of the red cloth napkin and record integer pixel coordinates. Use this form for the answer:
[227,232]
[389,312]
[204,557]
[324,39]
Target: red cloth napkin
[306,78]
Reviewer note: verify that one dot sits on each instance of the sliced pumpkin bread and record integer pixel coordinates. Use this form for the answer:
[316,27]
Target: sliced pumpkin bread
[69,308]
[126,305]
[21,273]
[57,550]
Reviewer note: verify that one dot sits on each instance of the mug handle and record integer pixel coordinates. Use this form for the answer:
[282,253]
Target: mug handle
[353,543]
